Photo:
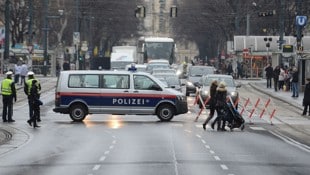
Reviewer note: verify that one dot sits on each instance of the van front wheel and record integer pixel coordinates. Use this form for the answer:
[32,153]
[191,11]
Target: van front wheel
[77,112]
[165,112]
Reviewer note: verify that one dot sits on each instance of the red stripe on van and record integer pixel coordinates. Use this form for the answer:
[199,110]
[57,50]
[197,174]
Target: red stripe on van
[166,96]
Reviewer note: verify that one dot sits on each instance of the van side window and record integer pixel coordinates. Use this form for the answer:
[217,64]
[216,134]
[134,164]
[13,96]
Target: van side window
[142,82]
[83,81]
[116,81]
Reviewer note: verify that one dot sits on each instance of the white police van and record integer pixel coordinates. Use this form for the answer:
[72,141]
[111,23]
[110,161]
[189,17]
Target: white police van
[84,92]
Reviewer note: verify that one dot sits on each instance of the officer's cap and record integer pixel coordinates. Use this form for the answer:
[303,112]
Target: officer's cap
[30,73]
[9,73]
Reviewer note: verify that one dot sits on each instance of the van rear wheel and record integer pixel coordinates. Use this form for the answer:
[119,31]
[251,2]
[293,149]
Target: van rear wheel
[77,112]
[165,112]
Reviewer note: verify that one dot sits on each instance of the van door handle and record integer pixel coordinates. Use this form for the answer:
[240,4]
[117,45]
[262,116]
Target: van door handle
[135,91]
[126,91]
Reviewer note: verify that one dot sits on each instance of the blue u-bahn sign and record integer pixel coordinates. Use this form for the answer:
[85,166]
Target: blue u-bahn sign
[301,20]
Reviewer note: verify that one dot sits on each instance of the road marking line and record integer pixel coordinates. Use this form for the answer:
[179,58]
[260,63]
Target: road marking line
[114,141]
[217,158]
[212,152]
[291,141]
[111,147]
[106,152]
[203,141]
[96,167]
[256,128]
[224,167]
[207,146]
[102,158]
[188,131]
[198,136]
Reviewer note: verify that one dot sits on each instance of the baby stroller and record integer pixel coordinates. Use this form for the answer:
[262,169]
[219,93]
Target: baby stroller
[234,118]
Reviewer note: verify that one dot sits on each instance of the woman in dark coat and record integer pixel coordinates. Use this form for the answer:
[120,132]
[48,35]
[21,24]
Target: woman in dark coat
[212,103]
[221,98]
[306,100]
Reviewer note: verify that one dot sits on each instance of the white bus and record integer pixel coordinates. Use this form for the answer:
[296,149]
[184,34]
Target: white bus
[154,48]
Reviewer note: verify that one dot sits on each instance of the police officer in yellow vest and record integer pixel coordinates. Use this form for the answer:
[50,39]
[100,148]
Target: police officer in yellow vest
[8,92]
[27,89]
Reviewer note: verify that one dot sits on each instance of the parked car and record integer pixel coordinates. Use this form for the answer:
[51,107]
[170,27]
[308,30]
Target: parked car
[160,71]
[205,82]
[194,75]
[172,80]
[150,67]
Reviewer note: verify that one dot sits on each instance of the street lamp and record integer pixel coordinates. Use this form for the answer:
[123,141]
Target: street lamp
[7,34]
[267,41]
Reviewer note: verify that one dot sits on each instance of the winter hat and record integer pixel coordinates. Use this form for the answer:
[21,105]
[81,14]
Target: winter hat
[222,86]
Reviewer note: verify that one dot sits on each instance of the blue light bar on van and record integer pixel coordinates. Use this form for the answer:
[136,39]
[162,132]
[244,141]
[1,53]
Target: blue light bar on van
[132,68]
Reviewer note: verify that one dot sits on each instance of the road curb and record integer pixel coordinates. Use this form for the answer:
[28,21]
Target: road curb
[254,86]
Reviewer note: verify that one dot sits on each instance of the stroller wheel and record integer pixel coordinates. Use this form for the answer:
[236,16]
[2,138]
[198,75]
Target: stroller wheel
[242,127]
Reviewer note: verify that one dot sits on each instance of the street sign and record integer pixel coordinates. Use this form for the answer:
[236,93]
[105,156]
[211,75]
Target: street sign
[301,20]
[76,38]
[287,48]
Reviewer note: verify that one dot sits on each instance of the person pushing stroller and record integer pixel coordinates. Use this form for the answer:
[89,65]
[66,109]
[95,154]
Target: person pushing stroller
[221,98]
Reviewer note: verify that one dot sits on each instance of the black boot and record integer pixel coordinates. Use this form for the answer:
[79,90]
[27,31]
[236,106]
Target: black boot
[36,126]
[204,126]
[29,122]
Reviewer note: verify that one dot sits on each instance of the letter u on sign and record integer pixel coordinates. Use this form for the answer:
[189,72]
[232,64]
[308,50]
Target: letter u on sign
[301,20]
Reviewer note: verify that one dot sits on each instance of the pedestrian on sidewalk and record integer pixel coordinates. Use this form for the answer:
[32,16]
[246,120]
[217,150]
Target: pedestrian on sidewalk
[212,103]
[306,100]
[17,71]
[269,75]
[8,92]
[23,73]
[276,73]
[281,79]
[294,80]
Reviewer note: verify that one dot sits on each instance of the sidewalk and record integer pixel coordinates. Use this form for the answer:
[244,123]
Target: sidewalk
[285,96]
[5,130]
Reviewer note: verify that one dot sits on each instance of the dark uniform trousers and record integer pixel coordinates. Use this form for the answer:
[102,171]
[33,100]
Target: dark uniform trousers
[7,101]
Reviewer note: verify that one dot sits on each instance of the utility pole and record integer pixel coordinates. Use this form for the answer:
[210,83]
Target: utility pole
[281,28]
[45,43]
[77,30]
[301,63]
[30,33]
[7,33]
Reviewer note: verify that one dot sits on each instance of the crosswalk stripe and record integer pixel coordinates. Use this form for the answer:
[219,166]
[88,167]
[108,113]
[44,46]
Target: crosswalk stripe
[256,128]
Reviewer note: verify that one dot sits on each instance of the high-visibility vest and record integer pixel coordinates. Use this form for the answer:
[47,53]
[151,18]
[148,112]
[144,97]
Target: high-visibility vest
[29,84]
[6,87]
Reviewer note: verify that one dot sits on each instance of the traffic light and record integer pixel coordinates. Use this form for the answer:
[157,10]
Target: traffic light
[173,11]
[140,11]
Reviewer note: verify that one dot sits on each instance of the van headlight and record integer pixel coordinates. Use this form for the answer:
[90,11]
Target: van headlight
[182,98]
